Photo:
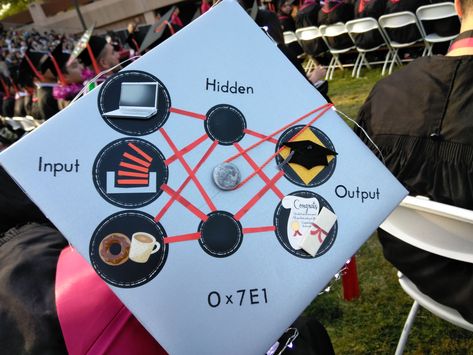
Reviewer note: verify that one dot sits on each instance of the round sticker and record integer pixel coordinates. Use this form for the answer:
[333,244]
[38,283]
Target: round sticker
[129,172]
[127,249]
[311,159]
[305,222]
[134,102]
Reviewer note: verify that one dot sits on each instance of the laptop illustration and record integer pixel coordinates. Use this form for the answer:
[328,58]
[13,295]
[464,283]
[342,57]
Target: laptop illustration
[137,100]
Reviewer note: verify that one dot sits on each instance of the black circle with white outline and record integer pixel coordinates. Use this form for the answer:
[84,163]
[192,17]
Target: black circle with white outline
[109,97]
[281,218]
[129,274]
[108,161]
[225,124]
[290,174]
[221,234]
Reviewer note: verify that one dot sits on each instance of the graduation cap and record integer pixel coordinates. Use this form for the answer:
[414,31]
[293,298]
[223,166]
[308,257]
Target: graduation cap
[81,44]
[55,61]
[30,65]
[94,46]
[308,154]
[157,30]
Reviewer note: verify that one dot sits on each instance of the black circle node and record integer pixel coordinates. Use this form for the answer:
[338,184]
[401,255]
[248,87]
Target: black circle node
[221,234]
[225,124]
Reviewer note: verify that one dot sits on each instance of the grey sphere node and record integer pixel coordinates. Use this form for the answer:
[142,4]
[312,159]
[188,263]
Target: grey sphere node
[226,176]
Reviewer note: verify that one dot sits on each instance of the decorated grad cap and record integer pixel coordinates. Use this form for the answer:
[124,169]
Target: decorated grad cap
[157,31]
[94,46]
[56,60]
[81,45]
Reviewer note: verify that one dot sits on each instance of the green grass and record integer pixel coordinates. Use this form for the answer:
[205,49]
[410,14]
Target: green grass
[373,323]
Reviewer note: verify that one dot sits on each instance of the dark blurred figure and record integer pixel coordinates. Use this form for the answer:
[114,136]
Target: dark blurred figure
[408,33]
[307,14]
[374,9]
[335,11]
[285,15]
[421,118]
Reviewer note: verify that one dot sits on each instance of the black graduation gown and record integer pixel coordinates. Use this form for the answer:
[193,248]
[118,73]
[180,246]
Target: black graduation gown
[408,33]
[287,22]
[369,8]
[336,12]
[47,104]
[8,106]
[421,118]
[332,13]
[307,15]
[29,250]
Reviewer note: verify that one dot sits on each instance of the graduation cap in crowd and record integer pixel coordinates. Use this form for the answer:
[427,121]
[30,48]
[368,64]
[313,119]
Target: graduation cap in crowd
[81,44]
[30,66]
[308,154]
[56,59]
[156,32]
[93,47]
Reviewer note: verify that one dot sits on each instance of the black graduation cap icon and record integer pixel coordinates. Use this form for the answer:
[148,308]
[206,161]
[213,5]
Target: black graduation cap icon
[157,30]
[308,154]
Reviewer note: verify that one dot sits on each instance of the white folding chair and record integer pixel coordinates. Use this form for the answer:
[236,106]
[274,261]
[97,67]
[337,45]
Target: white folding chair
[437,228]
[289,37]
[291,41]
[307,37]
[332,32]
[364,26]
[433,12]
[396,21]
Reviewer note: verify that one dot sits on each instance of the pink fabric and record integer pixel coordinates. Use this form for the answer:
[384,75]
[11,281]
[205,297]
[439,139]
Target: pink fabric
[204,7]
[93,320]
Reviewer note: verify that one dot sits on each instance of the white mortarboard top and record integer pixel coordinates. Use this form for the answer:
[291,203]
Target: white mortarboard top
[204,269]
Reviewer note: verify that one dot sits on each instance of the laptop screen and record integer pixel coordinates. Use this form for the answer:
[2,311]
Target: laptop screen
[138,94]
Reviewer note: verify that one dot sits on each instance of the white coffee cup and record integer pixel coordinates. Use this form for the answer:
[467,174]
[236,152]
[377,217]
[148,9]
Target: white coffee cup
[142,246]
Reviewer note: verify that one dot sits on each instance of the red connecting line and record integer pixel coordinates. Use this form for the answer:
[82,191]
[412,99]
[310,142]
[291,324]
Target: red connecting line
[188,170]
[188,179]
[327,107]
[259,135]
[201,215]
[259,229]
[323,107]
[187,148]
[182,238]
[258,196]
[260,172]
[187,113]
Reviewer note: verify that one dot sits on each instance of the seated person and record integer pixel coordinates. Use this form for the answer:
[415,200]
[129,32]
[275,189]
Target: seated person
[285,15]
[307,14]
[369,8]
[373,9]
[335,11]
[421,118]
[408,33]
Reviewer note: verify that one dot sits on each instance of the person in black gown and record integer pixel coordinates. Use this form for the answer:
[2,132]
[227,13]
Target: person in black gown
[421,118]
